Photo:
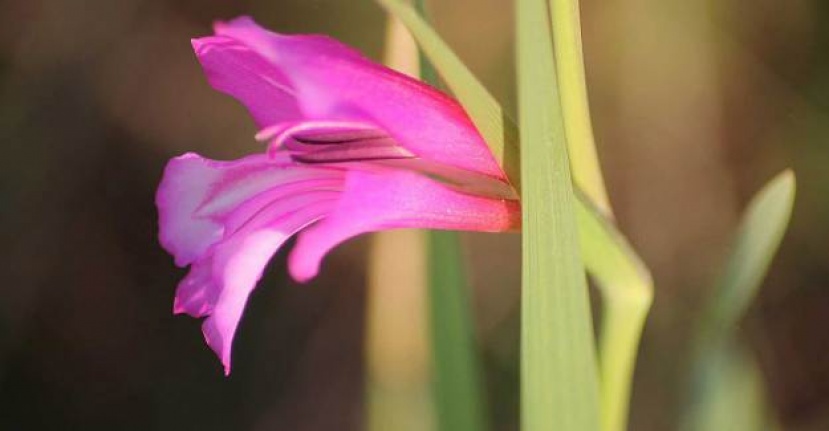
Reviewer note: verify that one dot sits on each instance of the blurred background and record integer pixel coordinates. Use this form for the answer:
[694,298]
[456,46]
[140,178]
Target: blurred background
[695,103]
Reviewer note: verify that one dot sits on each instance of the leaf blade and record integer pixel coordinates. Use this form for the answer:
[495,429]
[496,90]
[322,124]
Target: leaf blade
[457,387]
[627,293]
[559,384]
[587,173]
[758,238]
[717,375]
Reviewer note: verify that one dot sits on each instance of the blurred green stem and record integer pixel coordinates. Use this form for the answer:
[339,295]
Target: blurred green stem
[456,386]
[623,317]
[458,392]
[398,391]
[725,388]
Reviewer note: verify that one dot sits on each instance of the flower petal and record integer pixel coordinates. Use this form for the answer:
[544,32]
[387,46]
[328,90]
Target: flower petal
[334,82]
[197,194]
[233,68]
[220,284]
[381,200]
[184,187]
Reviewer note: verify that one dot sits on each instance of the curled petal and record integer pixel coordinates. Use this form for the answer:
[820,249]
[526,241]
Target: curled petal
[234,68]
[197,194]
[374,201]
[185,186]
[219,285]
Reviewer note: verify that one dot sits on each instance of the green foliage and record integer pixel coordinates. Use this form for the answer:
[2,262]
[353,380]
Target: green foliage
[459,399]
[623,280]
[726,389]
[758,238]
[458,392]
[559,383]
[587,173]
[627,292]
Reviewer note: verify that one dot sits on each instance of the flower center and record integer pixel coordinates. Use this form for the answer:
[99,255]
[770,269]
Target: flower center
[354,145]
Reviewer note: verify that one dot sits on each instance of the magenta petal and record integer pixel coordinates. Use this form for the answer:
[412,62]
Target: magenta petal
[190,182]
[375,201]
[233,68]
[220,285]
[335,82]
[197,293]
[185,186]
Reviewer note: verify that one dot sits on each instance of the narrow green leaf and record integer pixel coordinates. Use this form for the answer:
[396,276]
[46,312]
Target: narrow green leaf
[493,124]
[758,238]
[428,74]
[584,161]
[457,388]
[559,384]
[735,395]
[458,392]
[627,292]
[719,376]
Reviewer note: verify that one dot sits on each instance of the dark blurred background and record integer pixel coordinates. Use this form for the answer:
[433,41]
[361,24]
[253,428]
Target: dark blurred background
[696,104]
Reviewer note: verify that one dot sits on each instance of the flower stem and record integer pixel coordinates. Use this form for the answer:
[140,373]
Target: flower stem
[625,285]
[584,161]
[623,317]
[458,392]
[459,401]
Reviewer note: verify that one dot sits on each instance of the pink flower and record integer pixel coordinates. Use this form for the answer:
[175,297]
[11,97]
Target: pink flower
[353,147]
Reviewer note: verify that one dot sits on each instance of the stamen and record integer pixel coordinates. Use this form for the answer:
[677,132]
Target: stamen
[316,132]
[345,137]
[355,151]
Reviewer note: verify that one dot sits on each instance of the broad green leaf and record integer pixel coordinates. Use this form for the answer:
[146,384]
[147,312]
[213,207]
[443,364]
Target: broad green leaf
[559,383]
[493,124]
[458,392]
[584,161]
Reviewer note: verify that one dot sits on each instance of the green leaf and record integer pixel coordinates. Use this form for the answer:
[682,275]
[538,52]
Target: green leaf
[758,238]
[584,161]
[735,396]
[627,292]
[493,124]
[559,383]
[723,383]
[457,387]
[623,280]
[458,392]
